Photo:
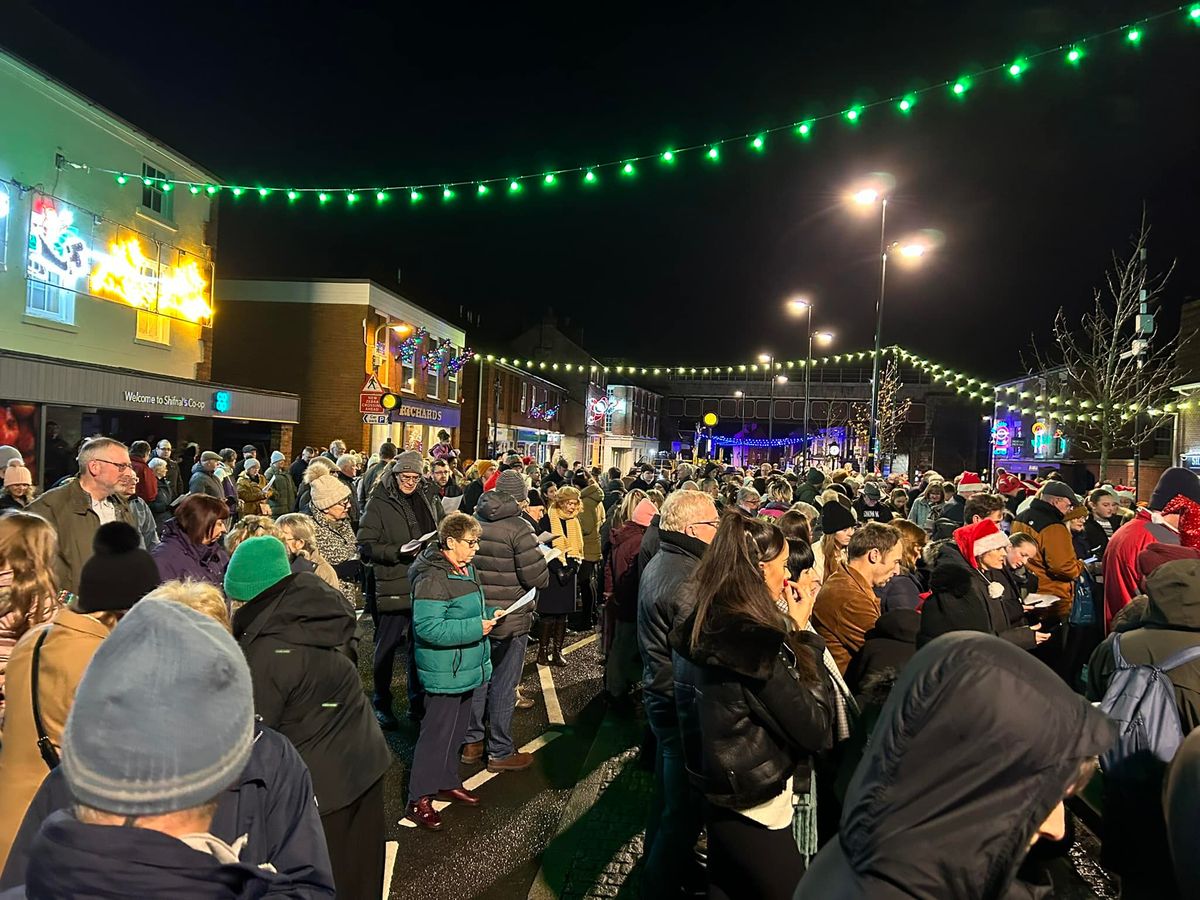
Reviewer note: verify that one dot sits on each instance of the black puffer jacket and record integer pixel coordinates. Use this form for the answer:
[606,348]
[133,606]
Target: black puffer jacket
[508,561]
[763,708]
[961,601]
[918,823]
[384,530]
[296,636]
[661,603]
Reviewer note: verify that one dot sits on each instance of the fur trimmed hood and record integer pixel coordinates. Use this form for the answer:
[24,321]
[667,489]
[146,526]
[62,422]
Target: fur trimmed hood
[739,645]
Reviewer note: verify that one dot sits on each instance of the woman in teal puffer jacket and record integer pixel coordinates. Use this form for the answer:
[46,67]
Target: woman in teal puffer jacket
[450,624]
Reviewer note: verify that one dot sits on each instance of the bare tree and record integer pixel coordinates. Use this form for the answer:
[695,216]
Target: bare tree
[1114,379]
[893,414]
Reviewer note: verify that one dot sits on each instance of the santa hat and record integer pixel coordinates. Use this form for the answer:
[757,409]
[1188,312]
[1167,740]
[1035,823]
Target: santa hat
[1009,484]
[975,540]
[1124,492]
[969,483]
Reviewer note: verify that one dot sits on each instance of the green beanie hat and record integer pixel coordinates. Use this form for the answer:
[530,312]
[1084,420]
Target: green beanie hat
[257,564]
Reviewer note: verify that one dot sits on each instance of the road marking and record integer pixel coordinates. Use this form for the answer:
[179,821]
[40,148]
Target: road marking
[554,712]
[579,645]
[389,863]
[482,777]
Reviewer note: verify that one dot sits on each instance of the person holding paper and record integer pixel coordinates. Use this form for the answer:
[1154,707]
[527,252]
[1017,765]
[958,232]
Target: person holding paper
[559,599]
[509,565]
[451,625]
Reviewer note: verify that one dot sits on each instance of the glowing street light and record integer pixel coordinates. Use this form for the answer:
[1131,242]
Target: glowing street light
[865,196]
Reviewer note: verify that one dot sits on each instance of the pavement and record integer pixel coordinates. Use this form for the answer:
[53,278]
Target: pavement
[571,825]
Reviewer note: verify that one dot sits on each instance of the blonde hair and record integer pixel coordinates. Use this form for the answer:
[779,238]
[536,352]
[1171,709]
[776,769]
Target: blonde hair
[198,595]
[316,468]
[28,546]
[248,527]
[302,527]
[627,506]
[914,539]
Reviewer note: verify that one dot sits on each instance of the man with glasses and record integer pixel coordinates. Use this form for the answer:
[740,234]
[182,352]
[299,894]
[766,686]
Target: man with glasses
[162,450]
[401,509]
[687,524]
[78,508]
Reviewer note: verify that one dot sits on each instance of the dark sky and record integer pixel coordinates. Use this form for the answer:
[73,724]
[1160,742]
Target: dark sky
[1033,183]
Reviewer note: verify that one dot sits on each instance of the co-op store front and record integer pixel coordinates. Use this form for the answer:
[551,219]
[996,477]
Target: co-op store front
[48,406]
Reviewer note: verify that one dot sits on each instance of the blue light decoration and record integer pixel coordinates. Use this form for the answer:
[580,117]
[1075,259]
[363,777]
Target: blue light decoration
[1002,438]
[722,441]
[543,412]
[222,401]
[408,347]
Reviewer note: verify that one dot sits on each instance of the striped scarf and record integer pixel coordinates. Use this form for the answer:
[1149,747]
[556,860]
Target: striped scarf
[568,534]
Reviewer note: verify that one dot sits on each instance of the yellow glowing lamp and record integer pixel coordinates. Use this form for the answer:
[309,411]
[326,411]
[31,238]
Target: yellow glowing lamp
[710,419]
[389,401]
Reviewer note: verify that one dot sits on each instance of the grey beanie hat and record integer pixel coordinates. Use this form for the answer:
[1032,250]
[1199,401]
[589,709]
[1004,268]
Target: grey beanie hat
[512,484]
[408,461]
[163,719]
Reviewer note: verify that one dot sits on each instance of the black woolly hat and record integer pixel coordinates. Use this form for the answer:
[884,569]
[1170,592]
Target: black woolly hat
[120,572]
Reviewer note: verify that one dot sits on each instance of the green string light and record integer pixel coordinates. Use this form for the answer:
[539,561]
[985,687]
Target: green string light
[1194,13]
[959,88]
[1075,56]
[262,191]
[514,187]
[415,196]
[481,189]
[292,196]
[668,157]
[907,102]
[549,179]
[167,187]
[589,177]
[1017,68]
[447,194]
[628,169]
[759,143]
[853,114]
[148,182]
[351,198]
[237,192]
[195,188]
[1134,36]
[322,197]
[381,196]
[121,179]
[714,153]
[804,130]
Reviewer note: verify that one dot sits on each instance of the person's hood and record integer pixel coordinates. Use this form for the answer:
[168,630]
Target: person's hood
[962,768]
[951,573]
[897,625]
[592,492]
[309,613]
[630,531]
[1174,592]
[815,477]
[616,486]
[432,558]
[71,859]
[494,506]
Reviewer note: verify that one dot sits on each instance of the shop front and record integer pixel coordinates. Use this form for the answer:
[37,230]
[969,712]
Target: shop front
[414,425]
[48,407]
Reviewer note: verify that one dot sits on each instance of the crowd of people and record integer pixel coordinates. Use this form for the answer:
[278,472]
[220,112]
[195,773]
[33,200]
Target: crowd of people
[805,648]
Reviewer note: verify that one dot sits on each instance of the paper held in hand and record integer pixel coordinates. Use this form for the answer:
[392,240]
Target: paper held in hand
[1040,601]
[414,546]
[529,597]
[451,504]
[545,537]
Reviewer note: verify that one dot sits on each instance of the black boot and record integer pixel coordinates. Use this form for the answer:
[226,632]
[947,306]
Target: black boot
[545,640]
[560,632]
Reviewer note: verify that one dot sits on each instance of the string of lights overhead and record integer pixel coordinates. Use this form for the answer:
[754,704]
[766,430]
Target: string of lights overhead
[589,176]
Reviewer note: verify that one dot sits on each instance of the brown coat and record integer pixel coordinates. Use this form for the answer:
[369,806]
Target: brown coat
[69,645]
[846,609]
[69,509]
[1055,565]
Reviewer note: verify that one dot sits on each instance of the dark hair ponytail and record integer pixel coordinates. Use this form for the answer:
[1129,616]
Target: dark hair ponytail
[728,581]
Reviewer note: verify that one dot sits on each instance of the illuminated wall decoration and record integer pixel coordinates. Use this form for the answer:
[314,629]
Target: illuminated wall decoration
[1001,439]
[135,270]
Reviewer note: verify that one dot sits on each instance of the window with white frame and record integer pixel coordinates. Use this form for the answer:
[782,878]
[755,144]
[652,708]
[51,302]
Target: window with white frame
[154,198]
[153,329]
[432,374]
[408,372]
[5,209]
[46,301]
[524,396]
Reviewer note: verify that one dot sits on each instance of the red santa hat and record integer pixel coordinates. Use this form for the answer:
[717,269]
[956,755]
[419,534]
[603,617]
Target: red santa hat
[1009,484]
[970,483]
[975,540]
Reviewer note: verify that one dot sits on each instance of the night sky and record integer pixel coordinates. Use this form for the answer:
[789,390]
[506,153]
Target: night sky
[1033,183]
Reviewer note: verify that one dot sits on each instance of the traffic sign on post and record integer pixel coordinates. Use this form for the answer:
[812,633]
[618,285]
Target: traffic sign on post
[369,397]
[375,418]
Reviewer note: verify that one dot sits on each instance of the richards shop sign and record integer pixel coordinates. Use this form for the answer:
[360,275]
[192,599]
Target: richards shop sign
[429,413]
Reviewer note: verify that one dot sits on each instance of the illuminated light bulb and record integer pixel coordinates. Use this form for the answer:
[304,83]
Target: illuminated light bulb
[1194,13]
[549,178]
[351,198]
[380,196]
[481,190]
[211,189]
[758,143]
[148,182]
[237,192]
[907,103]
[960,87]
[628,169]
[853,114]
[195,189]
[1134,36]
[514,187]
[167,187]
[323,197]
[1017,68]
[866,196]
[262,192]
[1074,56]
[447,194]
[121,179]
[291,195]
[804,129]
[714,153]
[589,177]
[668,156]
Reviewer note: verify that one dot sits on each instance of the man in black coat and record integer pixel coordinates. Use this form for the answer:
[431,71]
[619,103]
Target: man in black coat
[687,525]
[296,469]
[508,564]
[366,484]
[162,450]
[401,509]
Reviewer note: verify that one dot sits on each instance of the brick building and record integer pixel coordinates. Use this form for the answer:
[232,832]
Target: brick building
[505,408]
[321,340]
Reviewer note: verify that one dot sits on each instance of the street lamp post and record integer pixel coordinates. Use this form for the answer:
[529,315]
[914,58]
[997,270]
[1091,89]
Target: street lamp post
[769,359]
[800,306]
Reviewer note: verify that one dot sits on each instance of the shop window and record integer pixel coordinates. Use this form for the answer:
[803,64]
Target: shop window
[452,386]
[524,396]
[431,382]
[5,207]
[408,373]
[46,301]
[153,329]
[154,198]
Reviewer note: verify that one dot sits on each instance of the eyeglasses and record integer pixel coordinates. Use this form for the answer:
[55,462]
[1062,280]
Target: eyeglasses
[409,479]
[121,467]
[473,543]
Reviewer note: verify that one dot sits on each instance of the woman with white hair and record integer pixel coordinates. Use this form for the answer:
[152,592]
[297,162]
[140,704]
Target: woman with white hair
[299,535]
[160,506]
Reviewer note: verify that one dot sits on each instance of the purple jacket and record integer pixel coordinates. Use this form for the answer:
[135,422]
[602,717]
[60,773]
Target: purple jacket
[177,558]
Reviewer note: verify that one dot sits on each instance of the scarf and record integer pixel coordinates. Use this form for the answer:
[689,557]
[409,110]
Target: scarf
[568,534]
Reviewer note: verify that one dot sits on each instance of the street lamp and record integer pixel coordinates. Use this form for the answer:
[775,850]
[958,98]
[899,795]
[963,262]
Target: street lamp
[801,306]
[769,360]
[868,195]
[398,328]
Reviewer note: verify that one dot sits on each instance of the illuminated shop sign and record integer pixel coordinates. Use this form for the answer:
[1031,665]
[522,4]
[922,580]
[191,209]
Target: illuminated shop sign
[73,250]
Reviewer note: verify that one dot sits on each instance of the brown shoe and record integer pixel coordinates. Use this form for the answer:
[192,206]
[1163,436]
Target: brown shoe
[514,763]
[524,702]
[459,795]
[422,812]
[472,753]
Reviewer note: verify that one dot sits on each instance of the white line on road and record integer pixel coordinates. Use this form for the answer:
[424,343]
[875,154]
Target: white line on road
[389,864]
[554,714]
[579,645]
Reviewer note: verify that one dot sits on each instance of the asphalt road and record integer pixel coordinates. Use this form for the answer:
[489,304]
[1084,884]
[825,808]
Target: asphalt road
[569,827]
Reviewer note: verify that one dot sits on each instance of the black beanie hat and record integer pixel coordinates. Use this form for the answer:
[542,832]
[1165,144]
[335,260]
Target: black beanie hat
[835,517]
[120,572]
[1175,481]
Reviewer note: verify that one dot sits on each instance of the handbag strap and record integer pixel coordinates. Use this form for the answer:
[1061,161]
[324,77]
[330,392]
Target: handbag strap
[45,745]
